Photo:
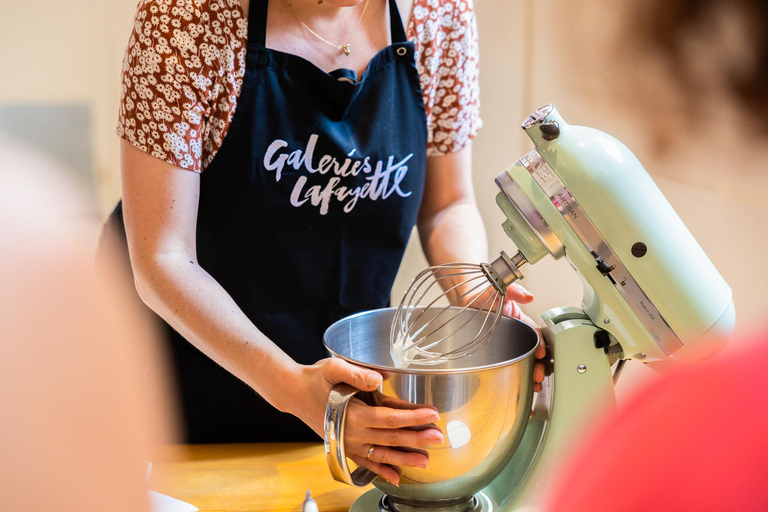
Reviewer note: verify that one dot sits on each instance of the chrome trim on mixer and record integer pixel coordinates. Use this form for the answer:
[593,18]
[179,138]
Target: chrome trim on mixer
[532,217]
[596,244]
[537,116]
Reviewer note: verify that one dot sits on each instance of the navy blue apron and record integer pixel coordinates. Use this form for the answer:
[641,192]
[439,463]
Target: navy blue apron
[304,215]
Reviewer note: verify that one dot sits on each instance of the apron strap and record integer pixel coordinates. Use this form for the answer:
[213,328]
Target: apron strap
[396,28]
[257,24]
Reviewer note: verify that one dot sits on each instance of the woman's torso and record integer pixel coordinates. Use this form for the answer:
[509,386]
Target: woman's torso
[293,259]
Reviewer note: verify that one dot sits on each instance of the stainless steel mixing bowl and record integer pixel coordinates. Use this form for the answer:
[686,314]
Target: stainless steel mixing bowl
[484,401]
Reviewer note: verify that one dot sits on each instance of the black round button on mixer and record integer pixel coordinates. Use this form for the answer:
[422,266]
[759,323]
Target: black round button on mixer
[639,249]
[550,130]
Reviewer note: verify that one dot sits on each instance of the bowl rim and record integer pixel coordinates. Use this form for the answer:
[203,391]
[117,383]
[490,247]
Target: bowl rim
[426,370]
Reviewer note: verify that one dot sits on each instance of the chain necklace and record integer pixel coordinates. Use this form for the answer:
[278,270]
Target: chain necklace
[342,47]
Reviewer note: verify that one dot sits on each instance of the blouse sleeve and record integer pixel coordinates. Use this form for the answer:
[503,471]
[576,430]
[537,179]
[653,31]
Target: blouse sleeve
[447,59]
[168,75]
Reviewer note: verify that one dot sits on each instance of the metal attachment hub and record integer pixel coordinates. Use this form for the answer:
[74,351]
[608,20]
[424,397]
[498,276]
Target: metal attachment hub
[503,271]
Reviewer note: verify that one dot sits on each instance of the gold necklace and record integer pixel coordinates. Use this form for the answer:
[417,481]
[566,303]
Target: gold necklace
[343,47]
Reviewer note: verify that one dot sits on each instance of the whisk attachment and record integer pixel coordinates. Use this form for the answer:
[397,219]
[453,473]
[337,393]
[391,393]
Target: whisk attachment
[424,330]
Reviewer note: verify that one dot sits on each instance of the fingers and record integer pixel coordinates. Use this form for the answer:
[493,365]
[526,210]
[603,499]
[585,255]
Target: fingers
[541,350]
[538,376]
[511,309]
[402,437]
[528,320]
[386,472]
[385,417]
[340,371]
[391,427]
[519,294]
[392,457]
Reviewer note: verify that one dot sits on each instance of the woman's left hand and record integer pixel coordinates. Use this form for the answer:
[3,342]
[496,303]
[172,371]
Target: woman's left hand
[517,294]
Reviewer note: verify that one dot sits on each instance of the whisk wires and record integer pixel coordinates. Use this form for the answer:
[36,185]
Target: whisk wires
[418,337]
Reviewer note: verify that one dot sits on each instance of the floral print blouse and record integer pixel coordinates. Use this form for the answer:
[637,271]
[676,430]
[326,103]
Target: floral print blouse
[185,62]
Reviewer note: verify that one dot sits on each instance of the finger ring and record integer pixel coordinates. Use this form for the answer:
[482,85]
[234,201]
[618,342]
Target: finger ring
[370,452]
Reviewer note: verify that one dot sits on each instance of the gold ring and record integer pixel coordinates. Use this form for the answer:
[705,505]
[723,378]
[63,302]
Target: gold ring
[370,452]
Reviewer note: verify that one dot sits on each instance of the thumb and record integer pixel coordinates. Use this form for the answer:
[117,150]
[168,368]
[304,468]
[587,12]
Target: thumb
[340,371]
[518,293]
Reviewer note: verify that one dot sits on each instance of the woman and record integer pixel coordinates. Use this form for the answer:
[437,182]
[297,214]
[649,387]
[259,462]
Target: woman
[323,135]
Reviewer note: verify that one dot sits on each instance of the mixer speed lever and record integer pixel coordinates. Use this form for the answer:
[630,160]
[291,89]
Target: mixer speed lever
[602,266]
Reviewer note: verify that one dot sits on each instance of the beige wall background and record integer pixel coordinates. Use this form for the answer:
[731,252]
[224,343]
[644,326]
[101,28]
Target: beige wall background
[532,52]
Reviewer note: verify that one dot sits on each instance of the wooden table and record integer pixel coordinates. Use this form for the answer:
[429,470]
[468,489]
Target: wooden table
[270,477]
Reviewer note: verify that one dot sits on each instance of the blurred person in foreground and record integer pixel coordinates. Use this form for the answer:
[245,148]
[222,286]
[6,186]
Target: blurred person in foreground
[81,386]
[695,439]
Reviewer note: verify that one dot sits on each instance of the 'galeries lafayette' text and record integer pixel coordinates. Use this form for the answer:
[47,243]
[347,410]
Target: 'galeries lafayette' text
[381,181]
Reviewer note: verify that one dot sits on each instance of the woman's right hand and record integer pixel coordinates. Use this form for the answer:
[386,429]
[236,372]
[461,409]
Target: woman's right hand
[384,428]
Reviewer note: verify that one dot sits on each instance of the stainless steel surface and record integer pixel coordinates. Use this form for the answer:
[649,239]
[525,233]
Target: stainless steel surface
[335,420]
[423,325]
[589,235]
[484,400]
[532,217]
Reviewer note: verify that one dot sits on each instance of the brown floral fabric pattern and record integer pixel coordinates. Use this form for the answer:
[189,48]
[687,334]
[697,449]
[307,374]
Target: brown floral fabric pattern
[184,67]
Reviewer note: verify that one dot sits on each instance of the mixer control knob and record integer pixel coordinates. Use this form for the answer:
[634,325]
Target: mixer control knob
[550,130]
[602,339]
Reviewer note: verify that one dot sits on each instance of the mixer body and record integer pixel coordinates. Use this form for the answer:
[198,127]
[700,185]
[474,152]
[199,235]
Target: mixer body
[582,194]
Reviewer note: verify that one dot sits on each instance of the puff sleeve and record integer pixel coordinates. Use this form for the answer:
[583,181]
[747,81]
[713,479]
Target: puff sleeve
[447,59]
[168,79]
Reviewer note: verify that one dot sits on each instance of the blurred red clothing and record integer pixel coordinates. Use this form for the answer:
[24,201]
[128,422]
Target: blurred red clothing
[695,440]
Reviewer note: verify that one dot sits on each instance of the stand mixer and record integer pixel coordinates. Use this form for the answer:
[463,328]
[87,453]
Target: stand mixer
[650,294]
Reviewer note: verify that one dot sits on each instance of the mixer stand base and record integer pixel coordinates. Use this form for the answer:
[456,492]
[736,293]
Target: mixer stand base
[376,501]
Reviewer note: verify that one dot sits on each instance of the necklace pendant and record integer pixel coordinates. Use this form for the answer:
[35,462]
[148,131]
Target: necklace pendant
[346,49]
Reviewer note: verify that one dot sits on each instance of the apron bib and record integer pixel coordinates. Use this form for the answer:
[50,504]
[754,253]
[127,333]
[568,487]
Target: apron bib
[304,215]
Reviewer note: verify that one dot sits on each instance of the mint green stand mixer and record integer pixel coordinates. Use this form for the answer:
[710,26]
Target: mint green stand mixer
[650,294]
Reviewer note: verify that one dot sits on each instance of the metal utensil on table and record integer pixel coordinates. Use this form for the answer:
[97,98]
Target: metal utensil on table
[423,325]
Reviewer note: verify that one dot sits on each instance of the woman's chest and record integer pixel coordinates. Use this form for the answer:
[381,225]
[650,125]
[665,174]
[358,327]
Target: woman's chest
[334,38]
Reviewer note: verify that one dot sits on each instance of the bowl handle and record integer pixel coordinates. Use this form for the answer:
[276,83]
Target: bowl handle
[335,418]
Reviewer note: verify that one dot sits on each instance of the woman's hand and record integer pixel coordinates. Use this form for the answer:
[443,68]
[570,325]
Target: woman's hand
[516,294]
[384,428]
